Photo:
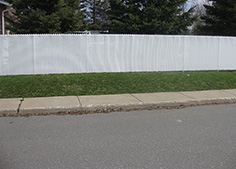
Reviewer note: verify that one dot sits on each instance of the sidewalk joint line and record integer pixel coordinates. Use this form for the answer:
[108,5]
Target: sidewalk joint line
[227,92]
[187,96]
[18,109]
[79,101]
[137,98]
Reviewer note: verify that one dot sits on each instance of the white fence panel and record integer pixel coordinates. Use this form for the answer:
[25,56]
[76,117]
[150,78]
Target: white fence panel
[3,57]
[48,54]
[60,54]
[227,54]
[20,58]
[170,53]
[201,53]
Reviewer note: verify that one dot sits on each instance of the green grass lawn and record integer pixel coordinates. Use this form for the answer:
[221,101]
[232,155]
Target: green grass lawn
[113,83]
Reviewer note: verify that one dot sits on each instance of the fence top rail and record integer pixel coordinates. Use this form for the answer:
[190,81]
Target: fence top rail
[117,35]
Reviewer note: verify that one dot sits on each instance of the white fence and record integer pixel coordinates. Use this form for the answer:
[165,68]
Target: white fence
[47,54]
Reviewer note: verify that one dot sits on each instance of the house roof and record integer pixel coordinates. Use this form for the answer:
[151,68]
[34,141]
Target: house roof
[4,3]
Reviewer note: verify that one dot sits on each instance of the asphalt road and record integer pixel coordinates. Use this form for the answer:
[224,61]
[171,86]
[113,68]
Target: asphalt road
[190,138]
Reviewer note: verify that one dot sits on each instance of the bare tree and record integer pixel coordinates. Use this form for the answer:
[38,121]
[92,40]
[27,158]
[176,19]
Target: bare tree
[199,11]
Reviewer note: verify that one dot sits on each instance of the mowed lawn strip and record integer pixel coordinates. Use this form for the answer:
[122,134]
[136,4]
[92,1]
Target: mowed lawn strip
[113,83]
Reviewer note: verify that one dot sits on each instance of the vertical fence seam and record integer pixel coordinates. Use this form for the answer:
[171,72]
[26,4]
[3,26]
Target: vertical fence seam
[6,55]
[218,57]
[87,53]
[184,54]
[33,37]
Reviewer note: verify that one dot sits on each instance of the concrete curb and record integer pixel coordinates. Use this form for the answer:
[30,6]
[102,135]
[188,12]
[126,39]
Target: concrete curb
[112,103]
[161,105]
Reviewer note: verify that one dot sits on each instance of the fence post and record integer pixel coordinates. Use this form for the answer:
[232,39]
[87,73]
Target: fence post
[87,52]
[33,43]
[218,57]
[5,56]
[184,53]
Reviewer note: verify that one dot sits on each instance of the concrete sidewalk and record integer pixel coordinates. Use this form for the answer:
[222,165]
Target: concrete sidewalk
[45,105]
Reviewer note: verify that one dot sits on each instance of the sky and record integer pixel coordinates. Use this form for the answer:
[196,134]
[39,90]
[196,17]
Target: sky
[198,3]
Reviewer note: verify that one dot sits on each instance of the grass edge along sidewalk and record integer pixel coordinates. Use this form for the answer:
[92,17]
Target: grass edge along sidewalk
[113,83]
